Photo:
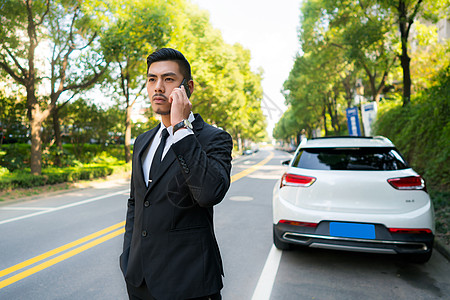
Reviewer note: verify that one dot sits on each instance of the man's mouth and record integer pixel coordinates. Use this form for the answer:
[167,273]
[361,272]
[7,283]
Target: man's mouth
[158,98]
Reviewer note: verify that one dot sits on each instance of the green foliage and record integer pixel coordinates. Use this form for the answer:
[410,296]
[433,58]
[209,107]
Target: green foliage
[22,178]
[17,156]
[344,42]
[94,162]
[85,122]
[12,118]
[421,130]
[3,171]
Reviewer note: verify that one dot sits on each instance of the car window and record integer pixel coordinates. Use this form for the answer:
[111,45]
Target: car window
[380,159]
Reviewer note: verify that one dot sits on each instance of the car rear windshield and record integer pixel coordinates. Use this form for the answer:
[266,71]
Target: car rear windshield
[376,158]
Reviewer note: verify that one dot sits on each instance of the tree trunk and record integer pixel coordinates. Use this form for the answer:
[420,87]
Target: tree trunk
[324,116]
[36,141]
[58,137]
[128,134]
[405,61]
[405,23]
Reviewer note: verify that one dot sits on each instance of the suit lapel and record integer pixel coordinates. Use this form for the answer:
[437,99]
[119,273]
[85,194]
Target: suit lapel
[146,142]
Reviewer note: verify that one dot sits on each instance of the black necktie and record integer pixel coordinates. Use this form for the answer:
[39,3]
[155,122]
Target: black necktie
[158,155]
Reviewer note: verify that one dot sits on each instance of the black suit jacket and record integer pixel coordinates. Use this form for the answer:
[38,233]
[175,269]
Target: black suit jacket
[169,235]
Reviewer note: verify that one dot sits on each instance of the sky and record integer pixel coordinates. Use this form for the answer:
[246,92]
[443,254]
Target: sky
[268,29]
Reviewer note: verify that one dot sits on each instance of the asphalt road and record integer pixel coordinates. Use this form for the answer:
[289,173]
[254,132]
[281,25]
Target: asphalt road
[66,246]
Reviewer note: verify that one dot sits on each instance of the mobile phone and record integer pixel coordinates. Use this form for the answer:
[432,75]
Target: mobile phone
[186,88]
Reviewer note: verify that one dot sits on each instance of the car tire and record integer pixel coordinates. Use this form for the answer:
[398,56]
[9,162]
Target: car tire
[279,244]
[419,258]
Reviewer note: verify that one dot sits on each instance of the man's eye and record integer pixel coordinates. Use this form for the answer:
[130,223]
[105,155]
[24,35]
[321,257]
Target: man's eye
[169,79]
[151,79]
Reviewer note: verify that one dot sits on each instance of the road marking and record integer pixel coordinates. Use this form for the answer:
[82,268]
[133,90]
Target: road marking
[252,168]
[241,198]
[97,238]
[267,279]
[62,207]
[25,208]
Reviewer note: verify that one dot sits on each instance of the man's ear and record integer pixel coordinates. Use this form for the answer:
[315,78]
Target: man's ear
[191,86]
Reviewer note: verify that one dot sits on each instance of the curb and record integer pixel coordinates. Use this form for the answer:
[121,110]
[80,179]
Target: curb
[442,248]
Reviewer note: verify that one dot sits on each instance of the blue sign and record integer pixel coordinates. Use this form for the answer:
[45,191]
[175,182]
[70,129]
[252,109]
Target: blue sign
[353,121]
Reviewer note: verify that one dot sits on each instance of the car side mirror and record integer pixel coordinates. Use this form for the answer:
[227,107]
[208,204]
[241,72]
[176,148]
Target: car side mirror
[286,162]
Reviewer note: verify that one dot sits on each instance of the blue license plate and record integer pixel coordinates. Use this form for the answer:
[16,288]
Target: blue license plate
[352,230]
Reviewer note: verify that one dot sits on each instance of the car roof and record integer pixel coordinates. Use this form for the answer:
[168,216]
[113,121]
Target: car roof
[346,142]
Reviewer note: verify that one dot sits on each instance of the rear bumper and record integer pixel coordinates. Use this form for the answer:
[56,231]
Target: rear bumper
[385,242]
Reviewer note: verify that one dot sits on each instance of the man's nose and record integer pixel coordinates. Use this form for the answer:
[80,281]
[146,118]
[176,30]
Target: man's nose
[159,87]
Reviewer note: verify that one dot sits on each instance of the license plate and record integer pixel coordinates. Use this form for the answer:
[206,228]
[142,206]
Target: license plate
[352,230]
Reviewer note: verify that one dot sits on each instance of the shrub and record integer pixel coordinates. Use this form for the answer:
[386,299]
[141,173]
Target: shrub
[421,131]
[15,156]
[3,171]
[23,178]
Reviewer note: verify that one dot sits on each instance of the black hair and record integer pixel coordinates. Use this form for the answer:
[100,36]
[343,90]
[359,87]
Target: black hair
[173,55]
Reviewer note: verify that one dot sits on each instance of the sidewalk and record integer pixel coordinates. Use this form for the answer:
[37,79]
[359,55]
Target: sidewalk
[443,248]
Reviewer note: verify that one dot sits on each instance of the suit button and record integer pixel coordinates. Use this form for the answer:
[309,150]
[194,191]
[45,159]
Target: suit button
[144,233]
[146,204]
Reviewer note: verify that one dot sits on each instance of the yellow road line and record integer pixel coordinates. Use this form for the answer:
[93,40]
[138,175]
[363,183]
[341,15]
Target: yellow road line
[252,168]
[60,258]
[95,241]
[59,249]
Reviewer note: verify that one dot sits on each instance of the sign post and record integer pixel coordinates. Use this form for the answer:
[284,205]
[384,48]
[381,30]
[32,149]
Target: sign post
[353,121]
[369,114]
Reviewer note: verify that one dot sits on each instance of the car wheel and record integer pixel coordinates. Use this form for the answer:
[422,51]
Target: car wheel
[279,243]
[419,258]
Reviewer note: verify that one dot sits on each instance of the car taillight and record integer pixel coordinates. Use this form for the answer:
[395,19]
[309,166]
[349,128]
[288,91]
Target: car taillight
[296,223]
[408,183]
[410,230]
[289,179]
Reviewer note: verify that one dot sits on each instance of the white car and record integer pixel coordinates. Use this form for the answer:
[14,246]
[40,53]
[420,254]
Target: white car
[355,194]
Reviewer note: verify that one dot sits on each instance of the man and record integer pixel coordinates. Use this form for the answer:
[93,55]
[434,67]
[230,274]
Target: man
[170,251]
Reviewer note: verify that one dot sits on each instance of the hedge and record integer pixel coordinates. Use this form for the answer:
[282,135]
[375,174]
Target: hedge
[17,156]
[23,179]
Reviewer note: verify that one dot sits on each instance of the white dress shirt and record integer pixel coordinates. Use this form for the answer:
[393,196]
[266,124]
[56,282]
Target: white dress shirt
[147,156]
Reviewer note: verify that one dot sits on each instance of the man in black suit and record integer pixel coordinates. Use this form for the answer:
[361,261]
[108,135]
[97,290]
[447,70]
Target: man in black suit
[170,250]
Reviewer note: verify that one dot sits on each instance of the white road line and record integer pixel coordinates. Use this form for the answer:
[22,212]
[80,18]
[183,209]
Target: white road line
[25,208]
[62,207]
[266,280]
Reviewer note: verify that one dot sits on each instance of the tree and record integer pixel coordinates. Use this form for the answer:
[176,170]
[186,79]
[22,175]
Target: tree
[20,34]
[73,36]
[359,29]
[405,12]
[27,25]
[140,27]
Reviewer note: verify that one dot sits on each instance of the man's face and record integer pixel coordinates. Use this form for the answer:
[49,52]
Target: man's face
[162,78]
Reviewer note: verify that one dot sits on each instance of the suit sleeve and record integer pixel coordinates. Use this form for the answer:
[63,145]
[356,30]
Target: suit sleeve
[129,218]
[206,166]
[129,225]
